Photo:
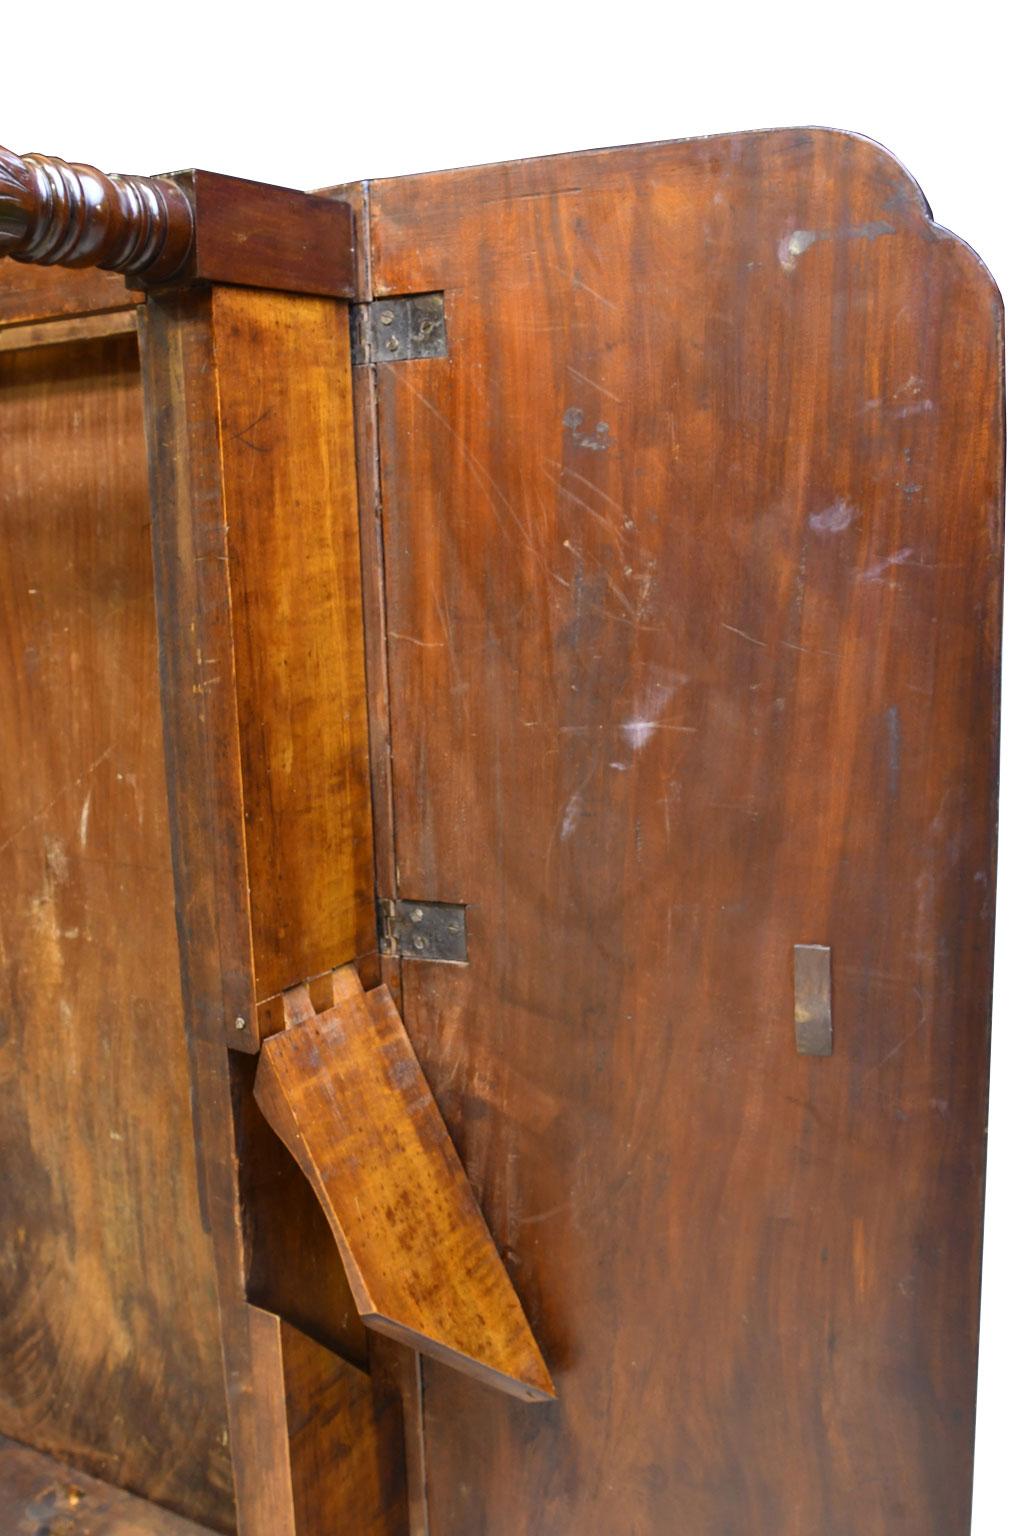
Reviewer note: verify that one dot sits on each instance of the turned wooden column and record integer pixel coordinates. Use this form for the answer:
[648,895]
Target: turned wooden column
[56,214]
[194,226]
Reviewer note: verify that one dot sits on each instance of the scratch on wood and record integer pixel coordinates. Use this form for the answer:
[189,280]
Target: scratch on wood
[44,810]
[744,636]
[593,384]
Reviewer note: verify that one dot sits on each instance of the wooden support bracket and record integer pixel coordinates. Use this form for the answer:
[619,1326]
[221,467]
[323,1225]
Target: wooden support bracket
[343,1089]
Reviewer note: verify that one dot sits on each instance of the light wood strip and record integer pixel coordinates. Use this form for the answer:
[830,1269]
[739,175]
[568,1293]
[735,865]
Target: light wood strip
[51,333]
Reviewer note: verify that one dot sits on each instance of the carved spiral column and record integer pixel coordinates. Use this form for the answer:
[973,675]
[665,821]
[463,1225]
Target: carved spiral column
[58,214]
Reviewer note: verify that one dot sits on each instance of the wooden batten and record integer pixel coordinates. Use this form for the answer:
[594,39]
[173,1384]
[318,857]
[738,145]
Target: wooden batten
[345,1092]
[257,552]
[34,294]
[339,1429]
[58,333]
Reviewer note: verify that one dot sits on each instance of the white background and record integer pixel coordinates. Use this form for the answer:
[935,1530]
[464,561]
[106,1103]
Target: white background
[309,96]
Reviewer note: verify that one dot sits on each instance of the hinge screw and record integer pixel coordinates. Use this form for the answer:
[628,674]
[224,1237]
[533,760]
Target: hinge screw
[387,318]
[239,1022]
[419,942]
[417,914]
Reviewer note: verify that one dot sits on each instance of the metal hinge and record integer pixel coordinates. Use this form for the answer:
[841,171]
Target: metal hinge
[399,330]
[422,930]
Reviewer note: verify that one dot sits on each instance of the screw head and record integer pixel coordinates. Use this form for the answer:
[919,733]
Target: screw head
[419,942]
[392,343]
[387,317]
[416,914]
[239,1023]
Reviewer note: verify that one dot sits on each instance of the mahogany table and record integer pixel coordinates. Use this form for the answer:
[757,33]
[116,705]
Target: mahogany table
[497,843]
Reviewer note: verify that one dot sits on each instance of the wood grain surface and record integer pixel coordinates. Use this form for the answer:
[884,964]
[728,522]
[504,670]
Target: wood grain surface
[193,226]
[251,482]
[259,236]
[109,1336]
[300,682]
[692,553]
[252,427]
[53,213]
[42,293]
[57,333]
[42,1497]
[339,1427]
[345,1093]
[345,1443]
[682,577]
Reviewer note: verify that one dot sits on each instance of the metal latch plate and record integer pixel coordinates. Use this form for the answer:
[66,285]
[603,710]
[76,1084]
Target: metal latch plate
[812,979]
[399,330]
[423,930]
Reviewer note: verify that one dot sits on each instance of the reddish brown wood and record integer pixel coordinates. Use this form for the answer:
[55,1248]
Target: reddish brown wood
[55,214]
[269,237]
[39,294]
[691,608]
[407,1364]
[59,333]
[192,227]
[693,554]
[109,1332]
